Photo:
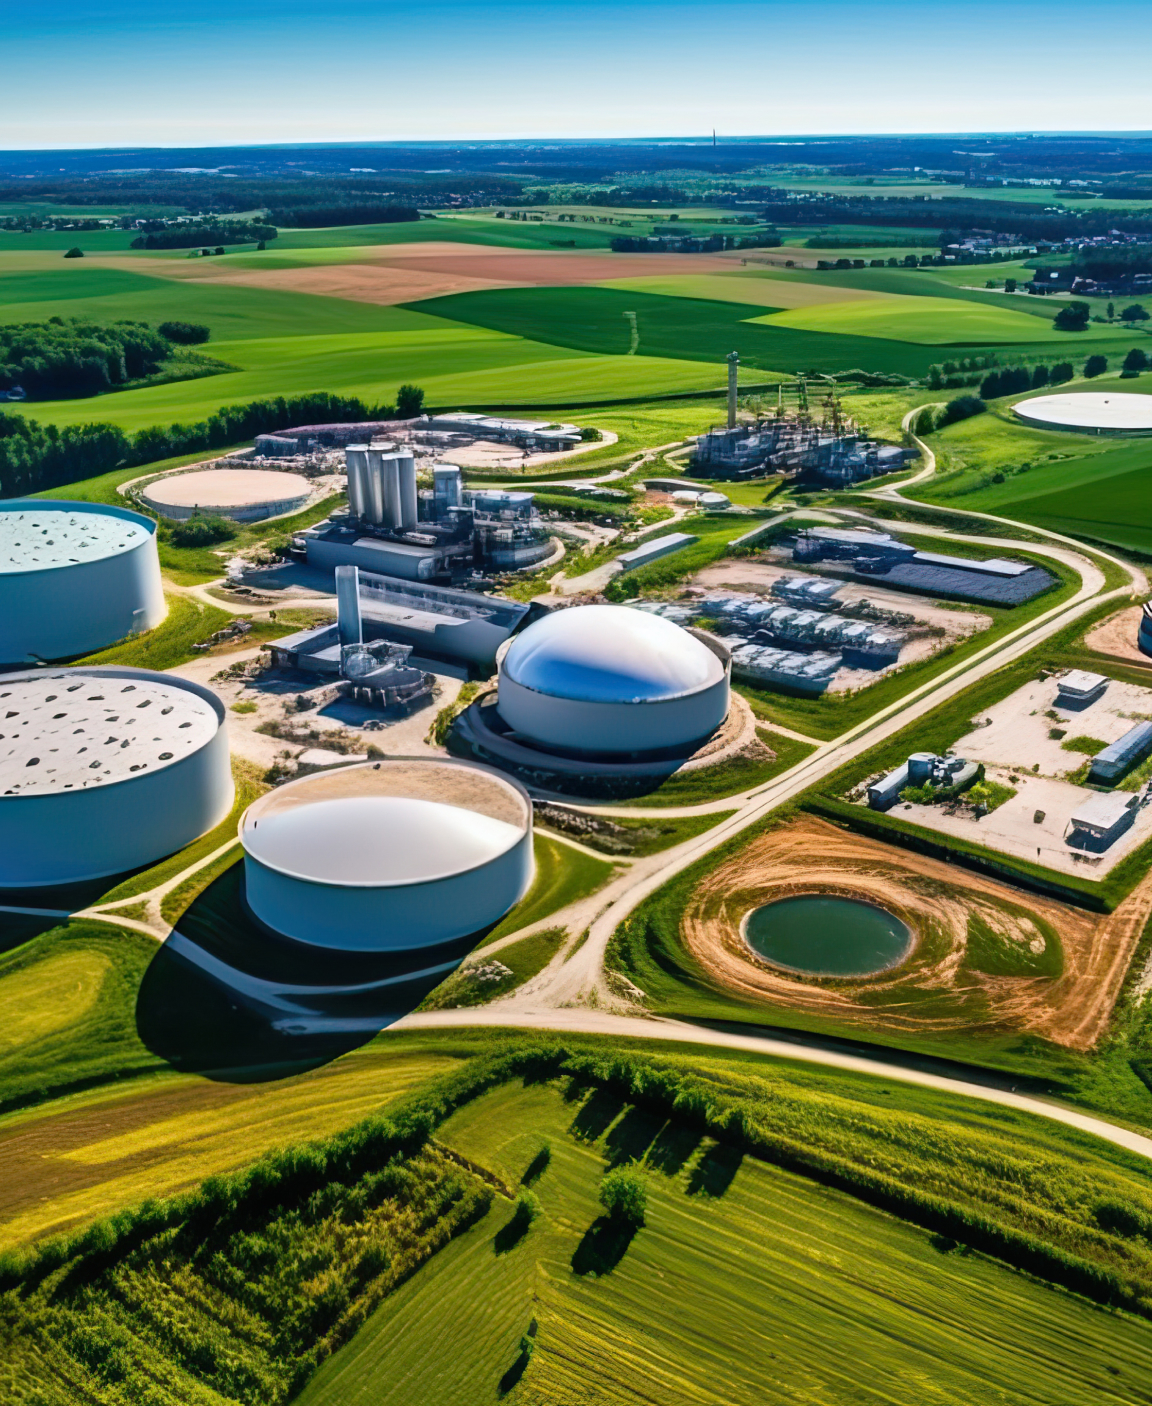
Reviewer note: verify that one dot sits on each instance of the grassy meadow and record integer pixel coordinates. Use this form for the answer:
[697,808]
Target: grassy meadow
[746,1283]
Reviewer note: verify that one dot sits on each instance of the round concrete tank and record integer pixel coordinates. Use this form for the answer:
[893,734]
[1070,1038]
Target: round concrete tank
[610,680]
[105,770]
[74,578]
[388,856]
[920,766]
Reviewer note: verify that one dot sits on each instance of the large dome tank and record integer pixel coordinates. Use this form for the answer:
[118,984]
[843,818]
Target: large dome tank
[388,856]
[610,680]
[105,770]
[74,578]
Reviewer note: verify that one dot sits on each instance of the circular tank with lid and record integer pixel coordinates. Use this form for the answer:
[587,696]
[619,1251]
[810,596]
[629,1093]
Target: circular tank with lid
[105,770]
[409,852]
[610,680]
[74,578]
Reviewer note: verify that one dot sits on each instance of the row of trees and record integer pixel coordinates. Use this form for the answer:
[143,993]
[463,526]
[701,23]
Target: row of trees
[34,457]
[322,216]
[61,359]
[206,233]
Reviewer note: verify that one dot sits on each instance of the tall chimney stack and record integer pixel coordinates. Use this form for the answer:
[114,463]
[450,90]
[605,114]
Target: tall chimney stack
[733,371]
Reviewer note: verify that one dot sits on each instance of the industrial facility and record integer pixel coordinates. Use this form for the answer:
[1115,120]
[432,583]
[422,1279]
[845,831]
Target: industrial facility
[242,494]
[797,646]
[392,528]
[949,776]
[391,856]
[607,680]
[74,578]
[809,437]
[376,612]
[880,557]
[105,770]
[465,426]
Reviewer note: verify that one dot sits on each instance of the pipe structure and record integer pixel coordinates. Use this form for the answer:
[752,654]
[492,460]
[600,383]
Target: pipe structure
[348,605]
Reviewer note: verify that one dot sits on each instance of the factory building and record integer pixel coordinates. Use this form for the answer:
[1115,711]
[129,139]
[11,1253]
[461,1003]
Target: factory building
[1114,760]
[878,556]
[391,529]
[407,853]
[105,770]
[606,680]
[1078,688]
[435,621]
[764,664]
[1101,819]
[766,621]
[539,436]
[74,578]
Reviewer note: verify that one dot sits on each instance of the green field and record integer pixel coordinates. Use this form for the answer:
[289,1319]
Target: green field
[936,321]
[1076,484]
[684,328]
[746,1284]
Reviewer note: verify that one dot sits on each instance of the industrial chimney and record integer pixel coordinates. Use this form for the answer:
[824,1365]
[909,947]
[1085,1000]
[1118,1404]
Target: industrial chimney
[733,372]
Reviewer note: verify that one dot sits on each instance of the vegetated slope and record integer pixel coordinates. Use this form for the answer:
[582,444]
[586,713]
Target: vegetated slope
[234,312]
[593,319]
[235,1293]
[746,1284]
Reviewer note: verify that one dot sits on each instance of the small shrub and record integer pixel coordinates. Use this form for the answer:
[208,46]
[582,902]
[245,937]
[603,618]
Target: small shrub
[624,1195]
[409,402]
[245,705]
[187,334]
[198,531]
[962,408]
[1095,366]
[1089,746]
[74,253]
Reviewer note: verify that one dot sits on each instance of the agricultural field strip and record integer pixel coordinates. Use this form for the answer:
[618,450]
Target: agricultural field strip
[593,1022]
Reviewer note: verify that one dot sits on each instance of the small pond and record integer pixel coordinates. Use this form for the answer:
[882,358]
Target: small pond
[821,935]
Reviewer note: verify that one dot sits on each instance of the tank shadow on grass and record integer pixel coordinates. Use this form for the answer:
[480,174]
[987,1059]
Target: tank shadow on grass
[226,998]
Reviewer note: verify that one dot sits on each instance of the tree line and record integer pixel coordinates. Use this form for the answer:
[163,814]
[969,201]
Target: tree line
[213,232]
[35,457]
[60,359]
[322,216]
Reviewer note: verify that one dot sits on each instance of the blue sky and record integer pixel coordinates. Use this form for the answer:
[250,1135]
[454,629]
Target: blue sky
[79,73]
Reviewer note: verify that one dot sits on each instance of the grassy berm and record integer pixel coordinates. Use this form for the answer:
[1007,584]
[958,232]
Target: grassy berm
[807,1238]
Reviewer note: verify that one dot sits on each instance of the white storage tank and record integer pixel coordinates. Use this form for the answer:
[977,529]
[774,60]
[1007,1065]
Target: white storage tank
[609,680]
[74,578]
[388,856]
[105,770]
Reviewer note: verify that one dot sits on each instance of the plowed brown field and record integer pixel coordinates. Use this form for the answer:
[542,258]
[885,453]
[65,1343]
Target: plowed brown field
[407,273]
[934,989]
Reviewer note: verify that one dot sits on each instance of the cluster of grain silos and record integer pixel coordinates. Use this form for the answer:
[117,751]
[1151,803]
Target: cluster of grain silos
[382,486]
[391,856]
[74,578]
[610,681]
[104,770]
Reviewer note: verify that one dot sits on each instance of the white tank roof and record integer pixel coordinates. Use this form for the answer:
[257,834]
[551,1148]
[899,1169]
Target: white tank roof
[42,538]
[378,840]
[63,731]
[610,653]
[1083,410]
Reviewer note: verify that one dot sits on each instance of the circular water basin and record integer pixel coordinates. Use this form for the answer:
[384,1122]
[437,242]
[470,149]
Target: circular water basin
[821,935]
